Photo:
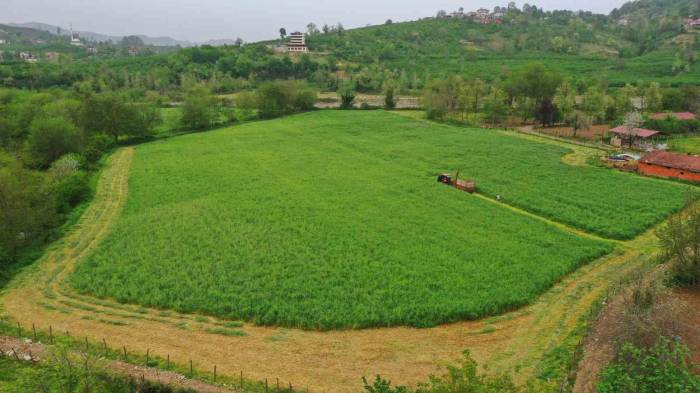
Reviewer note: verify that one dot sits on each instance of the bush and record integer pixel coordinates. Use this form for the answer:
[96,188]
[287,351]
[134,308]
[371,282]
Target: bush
[671,125]
[389,101]
[200,109]
[50,138]
[663,368]
[278,98]
[65,166]
[97,145]
[679,238]
[72,190]
[347,96]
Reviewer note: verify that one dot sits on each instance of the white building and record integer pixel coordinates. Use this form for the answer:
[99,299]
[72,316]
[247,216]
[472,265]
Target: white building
[74,40]
[297,43]
[3,42]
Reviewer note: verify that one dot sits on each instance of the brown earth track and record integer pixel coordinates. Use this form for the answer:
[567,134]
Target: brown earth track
[323,361]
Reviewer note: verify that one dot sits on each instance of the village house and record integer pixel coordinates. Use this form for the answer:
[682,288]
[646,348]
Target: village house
[297,43]
[670,165]
[636,138]
[675,115]
[693,23]
[3,42]
[92,50]
[28,57]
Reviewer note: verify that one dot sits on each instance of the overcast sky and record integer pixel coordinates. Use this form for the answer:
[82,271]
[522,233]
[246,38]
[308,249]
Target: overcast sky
[252,20]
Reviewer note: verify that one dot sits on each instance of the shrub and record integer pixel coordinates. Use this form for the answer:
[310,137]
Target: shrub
[671,125]
[680,238]
[97,145]
[389,101]
[199,111]
[347,96]
[50,138]
[72,190]
[65,166]
[660,369]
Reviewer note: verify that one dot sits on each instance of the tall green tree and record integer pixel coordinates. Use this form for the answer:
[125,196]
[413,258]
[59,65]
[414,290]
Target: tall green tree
[200,109]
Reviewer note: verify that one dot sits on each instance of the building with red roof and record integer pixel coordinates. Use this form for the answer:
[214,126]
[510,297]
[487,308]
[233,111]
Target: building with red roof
[670,165]
[676,115]
[639,138]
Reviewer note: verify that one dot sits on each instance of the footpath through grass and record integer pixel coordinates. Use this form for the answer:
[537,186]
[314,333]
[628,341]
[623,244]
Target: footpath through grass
[334,220]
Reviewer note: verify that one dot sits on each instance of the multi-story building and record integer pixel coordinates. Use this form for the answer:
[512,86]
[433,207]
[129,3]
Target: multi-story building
[297,43]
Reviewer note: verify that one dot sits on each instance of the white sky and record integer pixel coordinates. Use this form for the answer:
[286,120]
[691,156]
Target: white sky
[251,20]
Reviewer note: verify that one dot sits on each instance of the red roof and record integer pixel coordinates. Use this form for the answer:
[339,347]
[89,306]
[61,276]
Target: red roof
[673,160]
[677,115]
[640,132]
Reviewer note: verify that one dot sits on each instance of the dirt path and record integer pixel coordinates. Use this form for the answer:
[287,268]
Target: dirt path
[322,361]
[26,350]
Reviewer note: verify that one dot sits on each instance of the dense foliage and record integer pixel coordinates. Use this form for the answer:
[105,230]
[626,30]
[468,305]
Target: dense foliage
[664,368]
[680,242]
[335,228]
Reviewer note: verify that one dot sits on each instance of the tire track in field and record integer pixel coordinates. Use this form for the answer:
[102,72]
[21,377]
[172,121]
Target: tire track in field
[328,361]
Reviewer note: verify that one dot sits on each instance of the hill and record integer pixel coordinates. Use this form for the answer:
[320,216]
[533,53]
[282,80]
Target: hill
[99,37]
[579,43]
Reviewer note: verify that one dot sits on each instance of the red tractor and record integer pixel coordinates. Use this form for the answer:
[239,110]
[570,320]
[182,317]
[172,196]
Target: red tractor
[464,185]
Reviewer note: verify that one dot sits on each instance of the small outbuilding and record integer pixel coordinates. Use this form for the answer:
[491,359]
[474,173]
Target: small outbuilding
[639,138]
[670,165]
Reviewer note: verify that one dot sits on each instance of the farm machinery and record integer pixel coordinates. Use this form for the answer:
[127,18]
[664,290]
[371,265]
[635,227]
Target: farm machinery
[464,185]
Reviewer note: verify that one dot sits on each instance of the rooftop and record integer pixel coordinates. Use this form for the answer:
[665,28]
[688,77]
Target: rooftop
[673,160]
[640,132]
[677,115]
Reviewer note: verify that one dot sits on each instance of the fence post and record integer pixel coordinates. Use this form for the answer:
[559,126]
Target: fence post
[266,390]
[278,384]
[34,330]
[50,334]
[147,356]
[241,380]
[19,330]
[126,359]
[167,366]
[291,389]
[86,344]
[104,345]
[191,368]
[214,373]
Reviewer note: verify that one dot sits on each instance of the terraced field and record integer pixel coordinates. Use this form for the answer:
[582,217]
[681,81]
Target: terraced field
[334,220]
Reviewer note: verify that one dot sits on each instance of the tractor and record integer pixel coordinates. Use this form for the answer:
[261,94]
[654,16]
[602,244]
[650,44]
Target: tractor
[464,185]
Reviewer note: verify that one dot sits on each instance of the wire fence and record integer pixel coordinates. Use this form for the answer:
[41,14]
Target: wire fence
[147,360]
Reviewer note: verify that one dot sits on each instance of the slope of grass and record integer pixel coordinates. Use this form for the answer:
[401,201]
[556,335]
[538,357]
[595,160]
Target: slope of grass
[334,220]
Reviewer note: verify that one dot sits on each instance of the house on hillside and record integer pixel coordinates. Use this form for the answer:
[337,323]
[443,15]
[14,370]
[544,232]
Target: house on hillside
[637,138]
[692,24]
[3,42]
[675,115]
[27,57]
[297,43]
[670,165]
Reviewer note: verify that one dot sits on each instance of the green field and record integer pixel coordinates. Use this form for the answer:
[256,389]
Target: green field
[334,219]
[688,144]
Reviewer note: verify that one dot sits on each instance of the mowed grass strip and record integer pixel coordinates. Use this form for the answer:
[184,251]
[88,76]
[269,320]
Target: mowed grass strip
[334,220]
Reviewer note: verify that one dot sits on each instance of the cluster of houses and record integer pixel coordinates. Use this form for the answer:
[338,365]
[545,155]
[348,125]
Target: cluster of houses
[482,15]
[658,162]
